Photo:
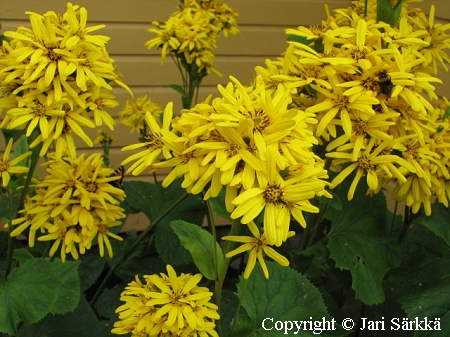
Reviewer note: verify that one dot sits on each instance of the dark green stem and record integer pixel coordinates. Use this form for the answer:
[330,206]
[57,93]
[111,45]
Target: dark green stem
[212,225]
[26,187]
[317,225]
[238,309]
[226,262]
[305,238]
[11,240]
[127,252]
[406,222]
[393,217]
[105,147]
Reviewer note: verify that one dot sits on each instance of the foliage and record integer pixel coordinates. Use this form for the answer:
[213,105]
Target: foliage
[302,163]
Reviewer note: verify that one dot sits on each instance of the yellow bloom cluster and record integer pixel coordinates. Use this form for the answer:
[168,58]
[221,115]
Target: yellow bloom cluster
[133,113]
[370,86]
[9,166]
[74,204]
[249,141]
[166,306]
[55,77]
[258,247]
[192,31]
[104,138]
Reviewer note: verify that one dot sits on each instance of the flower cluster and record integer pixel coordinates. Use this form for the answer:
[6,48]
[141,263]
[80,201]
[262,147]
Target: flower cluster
[74,204]
[166,305]
[55,76]
[247,141]
[371,86]
[192,31]
[133,113]
[10,166]
[258,246]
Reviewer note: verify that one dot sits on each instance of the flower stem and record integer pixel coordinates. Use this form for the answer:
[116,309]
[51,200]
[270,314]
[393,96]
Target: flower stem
[212,225]
[317,225]
[391,228]
[26,187]
[226,262]
[127,252]
[244,288]
[406,222]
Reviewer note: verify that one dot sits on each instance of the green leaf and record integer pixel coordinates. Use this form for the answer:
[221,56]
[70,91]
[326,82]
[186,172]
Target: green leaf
[201,244]
[299,39]
[313,261]
[4,208]
[90,269]
[108,302]
[177,88]
[18,303]
[22,255]
[154,200]
[14,134]
[447,112]
[285,296]
[361,240]
[80,323]
[218,206]
[334,202]
[68,286]
[422,282]
[53,289]
[388,13]
[438,222]
[21,148]
[169,248]
[144,265]
[243,327]
[228,304]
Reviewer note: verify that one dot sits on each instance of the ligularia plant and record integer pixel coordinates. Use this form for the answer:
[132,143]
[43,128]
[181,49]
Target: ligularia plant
[328,172]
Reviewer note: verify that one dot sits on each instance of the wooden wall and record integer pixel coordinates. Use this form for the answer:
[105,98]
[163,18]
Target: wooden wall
[262,24]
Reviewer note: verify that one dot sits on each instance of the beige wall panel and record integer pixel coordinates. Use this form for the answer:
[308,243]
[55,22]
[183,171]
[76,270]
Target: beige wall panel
[442,7]
[268,12]
[130,38]
[146,70]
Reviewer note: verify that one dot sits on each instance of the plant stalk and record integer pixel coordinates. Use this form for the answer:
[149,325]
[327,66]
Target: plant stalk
[128,251]
[226,262]
[26,187]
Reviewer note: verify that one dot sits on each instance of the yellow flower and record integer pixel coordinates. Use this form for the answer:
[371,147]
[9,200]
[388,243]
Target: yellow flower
[166,37]
[166,304]
[104,138]
[35,113]
[337,103]
[59,233]
[74,204]
[133,113]
[191,33]
[257,245]
[100,100]
[102,229]
[9,166]
[435,35]
[375,157]
[159,140]
[79,28]
[278,198]
[54,68]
